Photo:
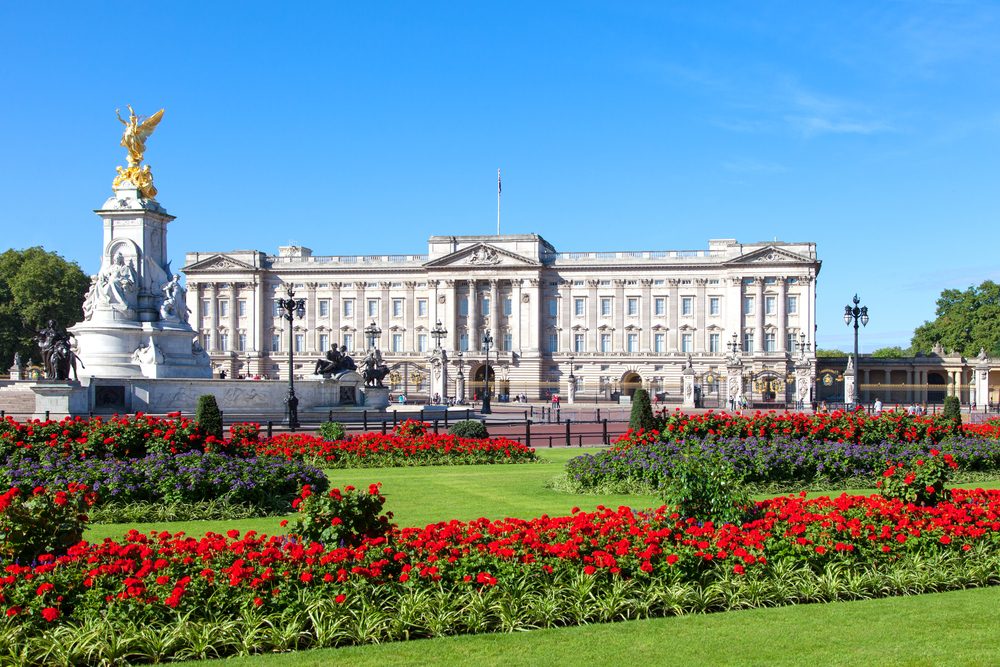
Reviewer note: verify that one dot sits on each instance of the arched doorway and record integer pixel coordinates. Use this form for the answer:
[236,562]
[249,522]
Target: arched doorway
[934,394]
[479,382]
[630,382]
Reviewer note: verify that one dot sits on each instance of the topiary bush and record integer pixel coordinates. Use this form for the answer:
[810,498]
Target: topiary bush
[707,488]
[469,428]
[642,412]
[208,416]
[332,431]
[952,409]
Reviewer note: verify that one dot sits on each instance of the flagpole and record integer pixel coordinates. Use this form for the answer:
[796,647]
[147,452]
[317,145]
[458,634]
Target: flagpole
[498,202]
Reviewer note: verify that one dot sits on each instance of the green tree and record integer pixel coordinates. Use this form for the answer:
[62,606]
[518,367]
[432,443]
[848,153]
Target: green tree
[642,411]
[208,415]
[830,353]
[894,352]
[36,286]
[965,322]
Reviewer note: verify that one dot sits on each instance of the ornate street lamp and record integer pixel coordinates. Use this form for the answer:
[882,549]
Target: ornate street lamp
[291,308]
[372,331]
[487,343]
[734,345]
[856,314]
[438,333]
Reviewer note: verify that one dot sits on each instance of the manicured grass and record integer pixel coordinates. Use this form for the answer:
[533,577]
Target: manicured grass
[421,495]
[956,628]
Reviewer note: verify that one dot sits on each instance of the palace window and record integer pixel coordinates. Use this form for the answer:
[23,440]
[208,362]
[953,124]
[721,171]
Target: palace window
[421,342]
[659,306]
[633,305]
[324,308]
[605,342]
[206,307]
[372,307]
[605,306]
[324,342]
[790,341]
[463,341]
[687,305]
[659,343]
[349,342]
[421,307]
[713,343]
[770,344]
[686,342]
[508,306]
[748,342]
[397,342]
[300,342]
[579,343]
[397,307]
[223,309]
[224,342]
[348,307]
[748,305]
[553,342]
[770,305]
[713,305]
[463,307]
[275,342]
[506,341]
[485,306]
[553,307]
[793,305]
[241,307]
[579,307]
[632,343]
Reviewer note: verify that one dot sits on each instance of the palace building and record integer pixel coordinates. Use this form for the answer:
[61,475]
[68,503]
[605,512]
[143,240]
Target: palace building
[614,320]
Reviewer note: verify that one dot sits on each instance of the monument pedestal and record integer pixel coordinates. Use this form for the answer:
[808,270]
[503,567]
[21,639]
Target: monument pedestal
[687,386]
[58,399]
[376,398]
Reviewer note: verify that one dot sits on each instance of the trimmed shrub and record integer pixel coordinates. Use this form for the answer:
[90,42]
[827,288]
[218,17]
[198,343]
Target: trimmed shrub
[42,521]
[642,412]
[707,489]
[921,481]
[332,431]
[952,409]
[340,518]
[469,428]
[208,416]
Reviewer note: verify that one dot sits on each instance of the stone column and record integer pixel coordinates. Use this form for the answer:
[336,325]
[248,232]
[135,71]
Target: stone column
[618,335]
[194,304]
[515,310]
[450,319]
[335,310]
[384,304]
[867,380]
[646,316]
[472,323]
[673,311]
[535,307]
[758,328]
[566,315]
[593,308]
[410,321]
[494,312]
[910,394]
[687,387]
[782,298]
[699,315]
[312,310]
[734,382]
[981,383]
[734,309]
[213,315]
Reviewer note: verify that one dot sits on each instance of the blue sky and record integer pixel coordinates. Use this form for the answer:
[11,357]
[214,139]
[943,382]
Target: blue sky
[872,129]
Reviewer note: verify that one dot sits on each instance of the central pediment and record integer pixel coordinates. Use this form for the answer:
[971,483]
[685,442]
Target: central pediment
[482,256]
[771,255]
[219,262]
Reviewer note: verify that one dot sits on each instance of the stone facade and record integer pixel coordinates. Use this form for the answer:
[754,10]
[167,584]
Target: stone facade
[621,319]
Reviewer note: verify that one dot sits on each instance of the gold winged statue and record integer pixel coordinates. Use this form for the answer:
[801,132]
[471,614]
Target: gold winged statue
[134,140]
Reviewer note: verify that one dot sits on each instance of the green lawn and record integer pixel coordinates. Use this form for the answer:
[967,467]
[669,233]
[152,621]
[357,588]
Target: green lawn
[957,628]
[950,628]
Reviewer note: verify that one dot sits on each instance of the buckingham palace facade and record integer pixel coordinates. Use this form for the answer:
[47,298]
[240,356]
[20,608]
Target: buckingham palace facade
[615,320]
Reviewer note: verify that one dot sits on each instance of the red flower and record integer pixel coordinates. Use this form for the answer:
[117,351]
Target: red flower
[340,599]
[50,614]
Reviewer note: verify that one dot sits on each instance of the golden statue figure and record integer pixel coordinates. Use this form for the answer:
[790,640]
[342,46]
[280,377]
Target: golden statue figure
[134,140]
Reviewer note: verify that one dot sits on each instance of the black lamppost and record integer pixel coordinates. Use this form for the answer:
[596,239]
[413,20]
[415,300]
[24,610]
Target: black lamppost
[372,331]
[438,333]
[487,343]
[734,346]
[856,314]
[291,308]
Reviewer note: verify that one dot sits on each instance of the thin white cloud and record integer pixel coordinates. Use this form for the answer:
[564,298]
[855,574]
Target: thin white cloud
[811,126]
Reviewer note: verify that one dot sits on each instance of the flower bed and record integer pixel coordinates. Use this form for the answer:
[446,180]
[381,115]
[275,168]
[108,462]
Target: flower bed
[838,426]
[376,450]
[249,593]
[643,463]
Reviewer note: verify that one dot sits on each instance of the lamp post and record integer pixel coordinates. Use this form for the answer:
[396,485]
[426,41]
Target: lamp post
[734,345]
[856,314]
[487,343]
[291,308]
[438,333]
[372,332]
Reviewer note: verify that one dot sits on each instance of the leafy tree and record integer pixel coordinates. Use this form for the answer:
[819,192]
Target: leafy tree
[966,321]
[830,353]
[36,286]
[894,352]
